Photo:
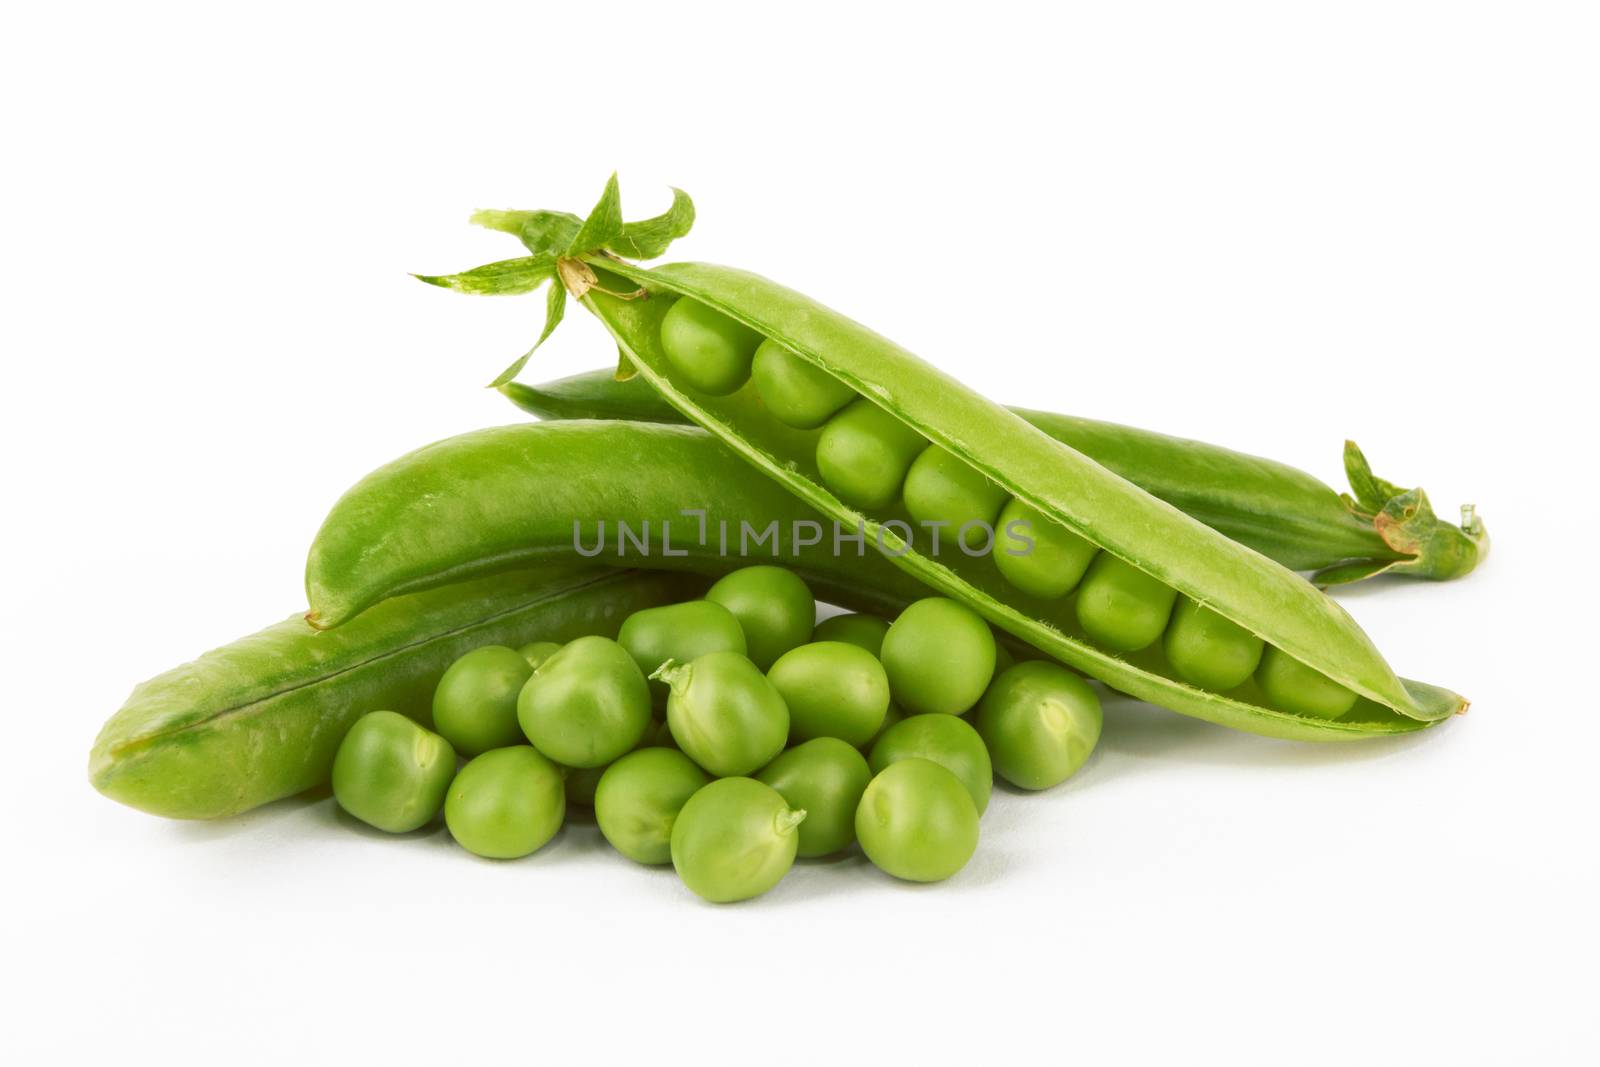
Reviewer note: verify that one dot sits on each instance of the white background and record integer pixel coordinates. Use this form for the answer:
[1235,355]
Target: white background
[1267,225]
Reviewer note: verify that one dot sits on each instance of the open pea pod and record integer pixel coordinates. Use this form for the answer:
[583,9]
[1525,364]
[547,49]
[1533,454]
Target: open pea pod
[1061,483]
[1281,512]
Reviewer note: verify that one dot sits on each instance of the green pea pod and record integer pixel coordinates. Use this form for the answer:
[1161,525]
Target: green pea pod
[1060,482]
[261,718]
[514,495]
[1283,513]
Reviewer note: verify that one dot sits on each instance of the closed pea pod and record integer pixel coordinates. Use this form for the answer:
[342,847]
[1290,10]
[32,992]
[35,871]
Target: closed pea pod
[391,773]
[735,839]
[1039,722]
[950,742]
[638,800]
[825,778]
[832,689]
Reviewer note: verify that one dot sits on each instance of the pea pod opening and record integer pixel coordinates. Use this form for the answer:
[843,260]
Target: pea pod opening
[1145,545]
[1285,514]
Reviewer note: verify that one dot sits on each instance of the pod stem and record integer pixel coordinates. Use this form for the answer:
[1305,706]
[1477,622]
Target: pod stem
[789,819]
[674,673]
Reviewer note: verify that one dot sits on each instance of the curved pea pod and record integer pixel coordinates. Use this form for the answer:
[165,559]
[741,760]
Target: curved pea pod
[262,718]
[1060,482]
[1281,512]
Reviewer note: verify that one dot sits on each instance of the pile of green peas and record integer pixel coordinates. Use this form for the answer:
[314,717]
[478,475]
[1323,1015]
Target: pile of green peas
[869,459]
[730,735]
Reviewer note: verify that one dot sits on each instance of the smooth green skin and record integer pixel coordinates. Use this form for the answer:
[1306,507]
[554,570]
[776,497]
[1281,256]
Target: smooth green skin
[1283,513]
[939,656]
[916,821]
[639,798]
[797,393]
[681,632]
[536,652]
[949,741]
[1122,607]
[1209,651]
[1063,484]
[735,839]
[391,773]
[863,631]
[1039,722]
[942,489]
[824,778]
[724,713]
[506,803]
[774,607]
[832,689]
[475,706]
[586,705]
[261,718]
[1293,686]
[710,350]
[864,453]
[1052,565]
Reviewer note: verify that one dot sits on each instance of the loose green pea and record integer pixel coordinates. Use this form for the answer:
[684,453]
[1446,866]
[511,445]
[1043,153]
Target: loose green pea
[864,453]
[724,713]
[1292,686]
[639,798]
[916,821]
[536,652]
[825,778]
[1038,555]
[681,632]
[1040,722]
[832,690]
[506,803]
[950,742]
[1208,650]
[863,631]
[1122,607]
[735,839]
[709,349]
[391,773]
[939,656]
[475,704]
[773,606]
[943,489]
[797,393]
[586,705]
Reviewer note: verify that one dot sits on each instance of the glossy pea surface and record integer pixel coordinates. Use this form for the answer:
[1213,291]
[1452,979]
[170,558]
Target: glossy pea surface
[832,689]
[797,393]
[724,713]
[711,351]
[735,839]
[536,652]
[774,608]
[916,821]
[825,778]
[864,453]
[1292,686]
[1122,607]
[586,705]
[1208,650]
[475,704]
[939,656]
[1038,555]
[638,800]
[943,489]
[1039,722]
[950,742]
[506,803]
[863,631]
[680,632]
[391,773]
